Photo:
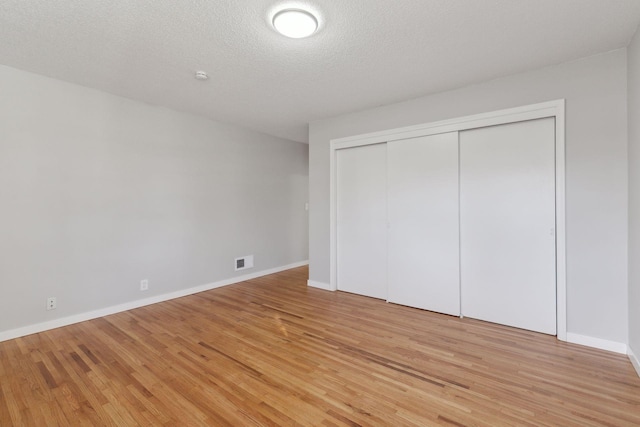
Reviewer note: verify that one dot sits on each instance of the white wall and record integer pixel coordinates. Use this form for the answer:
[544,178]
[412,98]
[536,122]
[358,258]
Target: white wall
[634,196]
[596,172]
[98,192]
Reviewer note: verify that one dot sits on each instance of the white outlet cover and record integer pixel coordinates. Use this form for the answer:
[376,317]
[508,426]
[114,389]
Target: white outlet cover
[144,285]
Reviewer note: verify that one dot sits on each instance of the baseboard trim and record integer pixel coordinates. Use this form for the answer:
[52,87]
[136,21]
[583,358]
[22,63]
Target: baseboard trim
[614,346]
[634,360]
[319,285]
[82,317]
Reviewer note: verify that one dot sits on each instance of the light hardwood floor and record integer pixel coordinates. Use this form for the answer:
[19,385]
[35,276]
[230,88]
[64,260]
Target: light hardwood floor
[271,351]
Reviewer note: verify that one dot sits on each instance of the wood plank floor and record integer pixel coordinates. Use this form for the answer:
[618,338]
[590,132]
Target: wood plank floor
[271,351]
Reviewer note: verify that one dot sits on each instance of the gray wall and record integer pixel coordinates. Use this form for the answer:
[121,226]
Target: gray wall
[99,192]
[634,194]
[596,171]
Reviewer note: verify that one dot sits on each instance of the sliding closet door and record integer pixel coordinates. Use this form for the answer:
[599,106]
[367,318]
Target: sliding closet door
[507,224]
[423,217]
[362,220]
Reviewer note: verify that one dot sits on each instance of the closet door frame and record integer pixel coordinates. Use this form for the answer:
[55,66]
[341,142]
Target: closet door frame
[555,109]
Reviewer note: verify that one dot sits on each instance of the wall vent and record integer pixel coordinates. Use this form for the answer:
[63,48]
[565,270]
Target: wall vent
[244,262]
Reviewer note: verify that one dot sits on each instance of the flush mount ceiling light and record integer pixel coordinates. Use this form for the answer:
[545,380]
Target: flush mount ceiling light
[295,23]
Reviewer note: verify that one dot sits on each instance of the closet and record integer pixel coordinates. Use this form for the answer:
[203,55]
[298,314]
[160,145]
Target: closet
[507,224]
[460,222]
[423,223]
[362,220]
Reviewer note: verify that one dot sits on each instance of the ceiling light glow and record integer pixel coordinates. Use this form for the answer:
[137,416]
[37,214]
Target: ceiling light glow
[295,23]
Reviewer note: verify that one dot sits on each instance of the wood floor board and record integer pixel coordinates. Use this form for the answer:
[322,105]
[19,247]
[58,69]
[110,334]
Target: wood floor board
[273,352]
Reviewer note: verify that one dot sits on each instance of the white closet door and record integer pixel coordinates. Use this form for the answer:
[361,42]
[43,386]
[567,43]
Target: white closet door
[507,224]
[424,267]
[362,220]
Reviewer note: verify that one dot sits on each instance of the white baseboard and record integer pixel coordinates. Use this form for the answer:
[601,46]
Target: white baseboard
[614,346]
[76,318]
[319,285]
[634,360]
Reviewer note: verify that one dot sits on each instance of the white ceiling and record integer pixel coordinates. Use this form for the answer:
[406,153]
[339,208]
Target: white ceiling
[367,52]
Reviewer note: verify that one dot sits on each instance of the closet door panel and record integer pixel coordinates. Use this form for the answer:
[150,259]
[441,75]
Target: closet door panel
[362,220]
[507,224]
[423,217]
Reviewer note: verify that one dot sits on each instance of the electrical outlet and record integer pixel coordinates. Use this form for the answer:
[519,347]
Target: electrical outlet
[52,303]
[144,285]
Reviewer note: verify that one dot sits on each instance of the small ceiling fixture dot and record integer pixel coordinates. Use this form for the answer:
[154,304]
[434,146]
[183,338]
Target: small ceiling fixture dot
[201,75]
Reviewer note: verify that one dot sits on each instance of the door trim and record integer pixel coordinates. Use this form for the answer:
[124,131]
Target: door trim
[554,109]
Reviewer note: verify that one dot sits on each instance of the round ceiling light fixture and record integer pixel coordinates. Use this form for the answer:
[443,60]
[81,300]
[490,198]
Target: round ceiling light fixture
[295,23]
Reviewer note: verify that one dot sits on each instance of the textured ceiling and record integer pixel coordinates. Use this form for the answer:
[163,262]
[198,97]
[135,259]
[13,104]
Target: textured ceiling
[367,52]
